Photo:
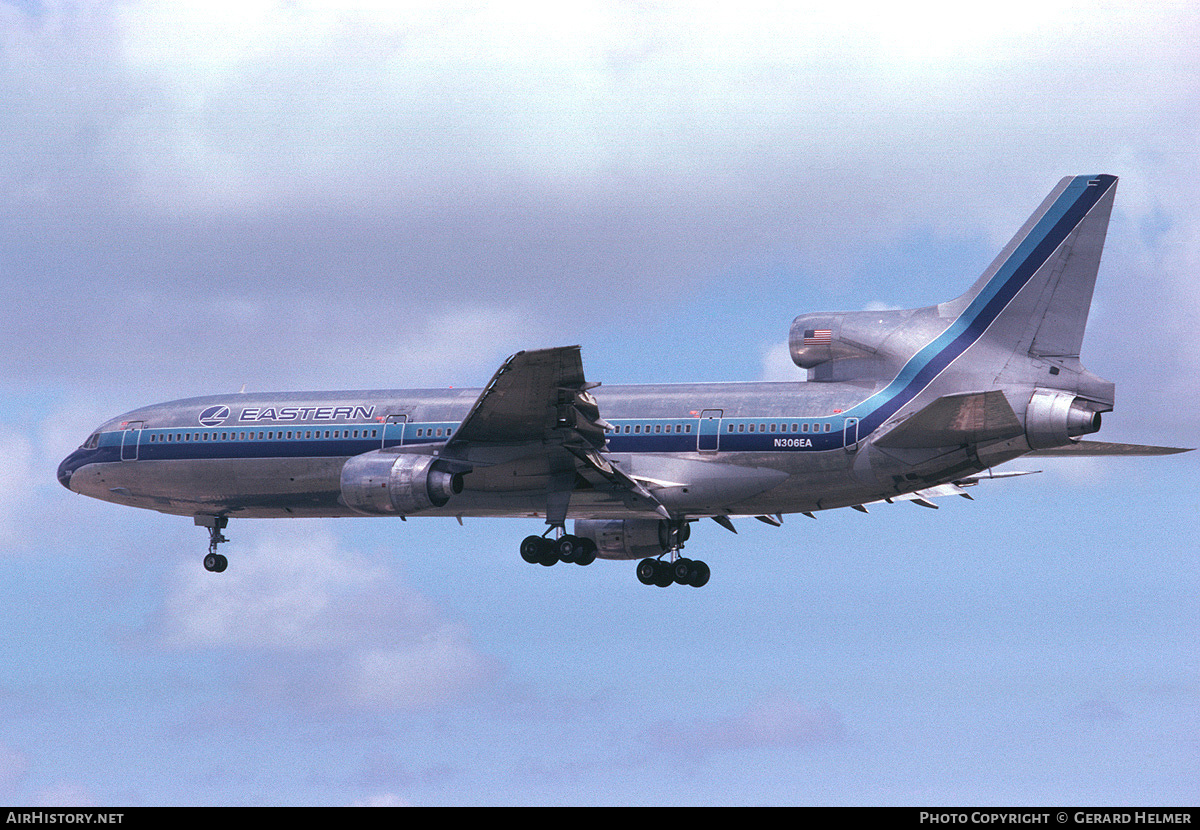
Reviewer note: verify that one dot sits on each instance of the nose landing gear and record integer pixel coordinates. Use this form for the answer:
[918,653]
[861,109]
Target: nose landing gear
[213,561]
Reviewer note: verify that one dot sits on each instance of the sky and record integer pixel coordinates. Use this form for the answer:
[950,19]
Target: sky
[201,197]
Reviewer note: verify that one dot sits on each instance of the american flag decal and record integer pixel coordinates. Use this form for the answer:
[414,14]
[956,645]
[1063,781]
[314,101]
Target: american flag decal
[818,337]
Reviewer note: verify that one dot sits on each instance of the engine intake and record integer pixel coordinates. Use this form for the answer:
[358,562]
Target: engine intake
[1054,417]
[386,484]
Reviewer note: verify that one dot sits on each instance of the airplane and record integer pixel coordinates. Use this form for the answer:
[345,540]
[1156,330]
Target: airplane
[904,405]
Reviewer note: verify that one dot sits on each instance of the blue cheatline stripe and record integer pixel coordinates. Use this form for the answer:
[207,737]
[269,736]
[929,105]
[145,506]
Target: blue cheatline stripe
[1031,254]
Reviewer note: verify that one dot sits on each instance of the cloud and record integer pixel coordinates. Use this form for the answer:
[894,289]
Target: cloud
[13,765]
[779,366]
[320,627]
[18,473]
[291,194]
[775,721]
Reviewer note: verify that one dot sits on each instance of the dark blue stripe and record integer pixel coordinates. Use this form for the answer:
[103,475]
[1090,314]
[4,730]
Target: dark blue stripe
[983,317]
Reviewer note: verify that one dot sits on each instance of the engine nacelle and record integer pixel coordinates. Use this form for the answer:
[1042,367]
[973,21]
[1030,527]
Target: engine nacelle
[1054,417]
[631,538]
[386,484]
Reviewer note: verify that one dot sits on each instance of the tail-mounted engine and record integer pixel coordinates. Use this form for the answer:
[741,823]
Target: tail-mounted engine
[632,538]
[386,484]
[858,345]
[1054,417]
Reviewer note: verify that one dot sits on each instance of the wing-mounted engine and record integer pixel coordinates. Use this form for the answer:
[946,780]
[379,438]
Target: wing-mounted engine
[1054,417]
[859,345]
[381,483]
[632,538]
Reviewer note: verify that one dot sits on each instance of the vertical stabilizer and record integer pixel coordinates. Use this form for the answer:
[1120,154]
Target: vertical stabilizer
[1034,298]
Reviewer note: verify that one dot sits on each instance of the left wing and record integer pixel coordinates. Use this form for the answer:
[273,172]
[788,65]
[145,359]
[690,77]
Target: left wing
[537,408]
[533,394]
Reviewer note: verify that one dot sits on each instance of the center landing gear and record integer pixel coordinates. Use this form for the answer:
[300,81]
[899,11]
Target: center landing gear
[213,561]
[682,571]
[540,550]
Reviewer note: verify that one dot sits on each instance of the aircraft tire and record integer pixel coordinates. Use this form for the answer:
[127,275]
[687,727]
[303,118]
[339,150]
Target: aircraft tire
[647,571]
[568,547]
[215,563]
[700,574]
[683,571]
[663,576]
[586,554]
[531,549]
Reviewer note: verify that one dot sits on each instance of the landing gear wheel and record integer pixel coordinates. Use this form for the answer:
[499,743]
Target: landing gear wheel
[682,570]
[215,562]
[566,547]
[647,571]
[700,574]
[663,577]
[586,552]
[531,549]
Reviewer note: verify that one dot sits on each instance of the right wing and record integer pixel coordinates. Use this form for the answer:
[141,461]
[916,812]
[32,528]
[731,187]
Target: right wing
[1083,449]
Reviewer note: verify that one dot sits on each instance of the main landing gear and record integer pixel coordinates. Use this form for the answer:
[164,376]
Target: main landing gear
[213,561]
[674,570]
[682,571]
[540,550]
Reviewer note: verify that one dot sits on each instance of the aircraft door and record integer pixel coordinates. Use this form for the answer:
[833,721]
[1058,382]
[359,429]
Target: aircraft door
[708,438]
[393,431]
[131,436]
[850,434]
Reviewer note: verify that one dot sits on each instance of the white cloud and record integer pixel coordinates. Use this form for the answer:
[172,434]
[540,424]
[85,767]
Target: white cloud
[325,628]
[779,366]
[13,765]
[18,478]
[778,720]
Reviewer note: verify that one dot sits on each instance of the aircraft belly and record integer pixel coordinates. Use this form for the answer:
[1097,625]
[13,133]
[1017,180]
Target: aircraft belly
[240,487]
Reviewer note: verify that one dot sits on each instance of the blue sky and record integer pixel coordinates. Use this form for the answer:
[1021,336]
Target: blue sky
[302,195]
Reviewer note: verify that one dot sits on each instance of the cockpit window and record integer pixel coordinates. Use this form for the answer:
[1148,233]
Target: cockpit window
[92,442]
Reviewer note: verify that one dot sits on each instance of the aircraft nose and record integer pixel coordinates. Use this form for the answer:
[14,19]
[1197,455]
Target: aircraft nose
[67,468]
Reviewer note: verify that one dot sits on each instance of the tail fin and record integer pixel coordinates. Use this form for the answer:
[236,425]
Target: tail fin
[1034,298]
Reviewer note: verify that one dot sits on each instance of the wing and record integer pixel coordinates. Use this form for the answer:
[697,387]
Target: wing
[1079,449]
[537,416]
[530,396]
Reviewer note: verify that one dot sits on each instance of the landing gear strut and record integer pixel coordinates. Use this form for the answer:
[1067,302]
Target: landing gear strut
[213,561]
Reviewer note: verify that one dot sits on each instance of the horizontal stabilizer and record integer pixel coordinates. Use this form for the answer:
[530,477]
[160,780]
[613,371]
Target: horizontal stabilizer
[1082,449]
[966,418]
